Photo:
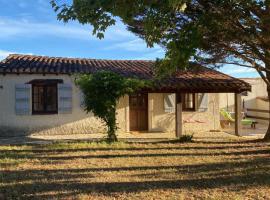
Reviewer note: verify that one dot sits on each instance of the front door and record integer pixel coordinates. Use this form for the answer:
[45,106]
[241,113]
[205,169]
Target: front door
[138,109]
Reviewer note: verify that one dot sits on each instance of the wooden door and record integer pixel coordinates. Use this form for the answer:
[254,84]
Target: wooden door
[138,111]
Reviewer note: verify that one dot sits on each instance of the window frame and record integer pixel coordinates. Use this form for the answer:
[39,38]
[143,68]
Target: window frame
[184,103]
[44,85]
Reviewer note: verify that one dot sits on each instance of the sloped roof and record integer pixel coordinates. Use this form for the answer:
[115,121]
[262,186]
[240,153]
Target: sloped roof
[201,79]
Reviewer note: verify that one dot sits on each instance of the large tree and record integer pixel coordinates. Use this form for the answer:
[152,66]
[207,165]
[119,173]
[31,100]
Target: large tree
[208,32]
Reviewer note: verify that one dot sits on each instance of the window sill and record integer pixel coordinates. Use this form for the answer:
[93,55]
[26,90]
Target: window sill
[189,110]
[44,113]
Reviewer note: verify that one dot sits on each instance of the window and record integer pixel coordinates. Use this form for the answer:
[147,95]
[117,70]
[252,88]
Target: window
[188,100]
[44,98]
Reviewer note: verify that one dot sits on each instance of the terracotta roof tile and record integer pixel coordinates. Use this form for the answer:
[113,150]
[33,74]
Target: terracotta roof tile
[201,79]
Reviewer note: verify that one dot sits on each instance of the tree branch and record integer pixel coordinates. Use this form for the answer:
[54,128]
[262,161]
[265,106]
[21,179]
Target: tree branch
[235,63]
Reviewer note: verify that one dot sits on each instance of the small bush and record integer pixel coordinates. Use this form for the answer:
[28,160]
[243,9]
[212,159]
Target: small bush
[101,92]
[186,138]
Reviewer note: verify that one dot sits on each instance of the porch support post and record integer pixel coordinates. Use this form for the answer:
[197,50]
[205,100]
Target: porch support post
[238,114]
[127,114]
[178,115]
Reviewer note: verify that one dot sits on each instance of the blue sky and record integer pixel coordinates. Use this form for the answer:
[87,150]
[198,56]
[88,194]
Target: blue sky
[31,27]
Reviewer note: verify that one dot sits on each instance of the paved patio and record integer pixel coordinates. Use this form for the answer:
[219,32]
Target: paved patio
[135,136]
[44,139]
[258,132]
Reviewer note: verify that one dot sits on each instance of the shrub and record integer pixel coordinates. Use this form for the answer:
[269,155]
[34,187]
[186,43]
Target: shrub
[102,90]
[186,138]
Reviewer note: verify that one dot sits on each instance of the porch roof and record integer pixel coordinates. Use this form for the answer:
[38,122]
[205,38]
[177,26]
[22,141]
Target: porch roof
[199,79]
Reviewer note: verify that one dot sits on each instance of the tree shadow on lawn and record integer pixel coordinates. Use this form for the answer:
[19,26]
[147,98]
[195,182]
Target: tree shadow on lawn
[47,156]
[46,159]
[42,149]
[39,150]
[233,174]
[29,175]
[108,188]
[149,155]
[39,183]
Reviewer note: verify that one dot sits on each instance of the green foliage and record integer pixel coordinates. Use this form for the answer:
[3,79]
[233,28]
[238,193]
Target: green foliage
[209,32]
[102,90]
[186,138]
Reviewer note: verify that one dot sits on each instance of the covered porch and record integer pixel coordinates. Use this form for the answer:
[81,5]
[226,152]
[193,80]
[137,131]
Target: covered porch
[237,107]
[163,114]
[190,93]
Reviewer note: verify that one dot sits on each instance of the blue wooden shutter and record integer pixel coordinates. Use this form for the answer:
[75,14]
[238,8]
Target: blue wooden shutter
[64,98]
[202,102]
[169,103]
[23,99]
[81,95]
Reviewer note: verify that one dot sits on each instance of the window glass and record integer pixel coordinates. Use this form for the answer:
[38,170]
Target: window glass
[44,98]
[188,100]
[51,99]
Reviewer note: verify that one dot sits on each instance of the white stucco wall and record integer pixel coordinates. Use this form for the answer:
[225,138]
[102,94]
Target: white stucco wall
[159,120]
[77,122]
[259,89]
[80,122]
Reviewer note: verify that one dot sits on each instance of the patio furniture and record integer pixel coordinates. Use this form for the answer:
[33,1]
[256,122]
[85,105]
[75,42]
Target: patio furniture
[227,116]
[243,114]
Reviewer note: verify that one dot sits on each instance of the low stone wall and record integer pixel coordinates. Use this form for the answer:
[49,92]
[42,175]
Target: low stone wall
[85,126]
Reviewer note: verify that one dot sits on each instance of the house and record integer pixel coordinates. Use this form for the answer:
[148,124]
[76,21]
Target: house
[38,93]
[255,103]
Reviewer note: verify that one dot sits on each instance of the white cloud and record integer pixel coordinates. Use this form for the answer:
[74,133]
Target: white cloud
[11,28]
[239,71]
[4,53]
[152,55]
[235,69]
[133,45]
[136,45]
[242,70]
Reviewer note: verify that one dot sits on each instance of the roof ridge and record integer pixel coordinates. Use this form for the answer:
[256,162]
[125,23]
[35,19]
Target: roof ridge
[76,58]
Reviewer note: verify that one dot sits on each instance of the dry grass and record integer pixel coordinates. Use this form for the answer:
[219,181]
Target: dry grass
[205,169]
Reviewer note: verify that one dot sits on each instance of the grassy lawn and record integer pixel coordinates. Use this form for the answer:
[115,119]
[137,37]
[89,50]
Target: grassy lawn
[204,169]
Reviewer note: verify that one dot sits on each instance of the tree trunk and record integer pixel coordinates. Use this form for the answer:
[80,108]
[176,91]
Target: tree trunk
[111,124]
[267,135]
[111,135]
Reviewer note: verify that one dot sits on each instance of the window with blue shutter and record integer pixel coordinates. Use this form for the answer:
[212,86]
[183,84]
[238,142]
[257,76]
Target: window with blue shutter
[44,98]
[202,102]
[64,98]
[22,99]
[169,103]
